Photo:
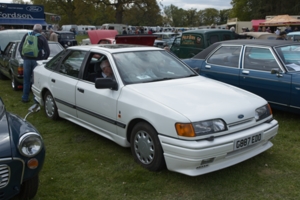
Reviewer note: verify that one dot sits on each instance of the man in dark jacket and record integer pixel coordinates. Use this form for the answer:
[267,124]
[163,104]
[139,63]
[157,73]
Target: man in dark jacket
[30,63]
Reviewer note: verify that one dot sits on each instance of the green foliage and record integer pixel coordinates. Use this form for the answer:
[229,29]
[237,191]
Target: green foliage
[246,10]
[82,165]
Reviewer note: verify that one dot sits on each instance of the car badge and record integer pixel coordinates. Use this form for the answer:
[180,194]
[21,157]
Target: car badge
[241,116]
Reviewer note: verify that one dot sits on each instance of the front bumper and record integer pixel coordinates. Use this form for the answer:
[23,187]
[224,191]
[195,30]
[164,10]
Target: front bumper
[186,156]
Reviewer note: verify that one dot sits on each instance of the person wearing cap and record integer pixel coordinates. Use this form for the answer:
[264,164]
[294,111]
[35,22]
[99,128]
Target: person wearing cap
[281,36]
[106,70]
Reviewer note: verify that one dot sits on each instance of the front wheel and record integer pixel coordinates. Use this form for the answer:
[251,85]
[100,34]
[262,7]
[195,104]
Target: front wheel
[146,147]
[50,106]
[29,188]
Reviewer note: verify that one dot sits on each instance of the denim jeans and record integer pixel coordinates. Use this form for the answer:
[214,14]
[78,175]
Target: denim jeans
[28,66]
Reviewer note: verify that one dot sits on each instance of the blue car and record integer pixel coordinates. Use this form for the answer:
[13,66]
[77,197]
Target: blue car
[268,68]
[22,155]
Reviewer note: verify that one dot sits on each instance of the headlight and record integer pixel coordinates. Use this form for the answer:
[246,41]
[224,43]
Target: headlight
[263,112]
[201,128]
[30,144]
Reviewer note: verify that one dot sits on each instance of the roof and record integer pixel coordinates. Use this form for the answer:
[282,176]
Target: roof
[206,31]
[294,33]
[270,43]
[114,48]
[260,35]
[281,20]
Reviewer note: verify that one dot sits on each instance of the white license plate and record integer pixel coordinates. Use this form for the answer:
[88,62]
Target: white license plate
[247,141]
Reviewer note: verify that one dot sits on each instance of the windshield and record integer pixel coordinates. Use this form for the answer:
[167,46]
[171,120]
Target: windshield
[67,36]
[290,55]
[149,66]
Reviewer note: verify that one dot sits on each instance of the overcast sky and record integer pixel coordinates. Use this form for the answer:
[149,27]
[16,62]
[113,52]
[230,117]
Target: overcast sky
[187,4]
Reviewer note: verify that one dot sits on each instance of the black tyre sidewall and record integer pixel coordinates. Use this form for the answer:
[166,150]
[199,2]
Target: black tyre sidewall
[158,162]
[29,188]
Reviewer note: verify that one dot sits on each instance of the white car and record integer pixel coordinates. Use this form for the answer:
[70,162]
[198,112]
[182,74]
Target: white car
[156,105]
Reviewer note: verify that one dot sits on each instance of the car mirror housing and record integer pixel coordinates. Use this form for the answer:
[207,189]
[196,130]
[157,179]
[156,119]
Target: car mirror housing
[106,83]
[275,71]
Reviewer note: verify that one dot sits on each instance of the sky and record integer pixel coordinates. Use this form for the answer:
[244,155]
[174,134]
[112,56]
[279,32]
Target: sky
[187,4]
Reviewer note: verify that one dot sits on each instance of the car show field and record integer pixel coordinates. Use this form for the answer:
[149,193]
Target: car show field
[82,165]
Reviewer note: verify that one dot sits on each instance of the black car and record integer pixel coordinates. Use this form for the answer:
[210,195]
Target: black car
[66,38]
[22,155]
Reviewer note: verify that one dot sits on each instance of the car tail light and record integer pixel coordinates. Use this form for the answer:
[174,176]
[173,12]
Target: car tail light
[20,70]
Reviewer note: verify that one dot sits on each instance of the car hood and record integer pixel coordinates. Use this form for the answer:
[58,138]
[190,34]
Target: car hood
[200,98]
[41,62]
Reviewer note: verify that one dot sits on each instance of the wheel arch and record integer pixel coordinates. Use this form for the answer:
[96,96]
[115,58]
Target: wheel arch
[132,123]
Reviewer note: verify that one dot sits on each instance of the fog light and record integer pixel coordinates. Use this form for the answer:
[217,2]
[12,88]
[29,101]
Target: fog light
[207,161]
[33,163]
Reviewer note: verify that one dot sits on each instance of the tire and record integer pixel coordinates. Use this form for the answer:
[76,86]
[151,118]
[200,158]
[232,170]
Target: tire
[50,106]
[29,188]
[146,148]
[14,83]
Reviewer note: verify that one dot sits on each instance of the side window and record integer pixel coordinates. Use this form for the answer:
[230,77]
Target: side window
[72,63]
[213,39]
[226,37]
[8,49]
[259,59]
[53,63]
[227,56]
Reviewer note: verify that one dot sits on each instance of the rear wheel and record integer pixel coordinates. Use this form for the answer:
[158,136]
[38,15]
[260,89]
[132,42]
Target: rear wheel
[50,106]
[146,147]
[29,188]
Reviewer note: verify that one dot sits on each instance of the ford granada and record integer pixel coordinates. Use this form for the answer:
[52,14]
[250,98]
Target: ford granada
[22,155]
[147,99]
[268,68]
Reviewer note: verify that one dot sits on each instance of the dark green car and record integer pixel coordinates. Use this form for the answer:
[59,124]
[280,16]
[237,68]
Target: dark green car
[11,63]
[192,42]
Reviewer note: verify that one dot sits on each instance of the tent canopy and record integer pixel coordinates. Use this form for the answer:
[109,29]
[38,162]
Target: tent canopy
[281,20]
[22,21]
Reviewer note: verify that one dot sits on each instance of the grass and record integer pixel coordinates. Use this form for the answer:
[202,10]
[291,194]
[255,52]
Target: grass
[83,165]
[79,38]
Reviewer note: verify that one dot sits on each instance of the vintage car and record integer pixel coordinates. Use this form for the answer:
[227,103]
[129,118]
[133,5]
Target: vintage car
[268,68]
[168,37]
[66,38]
[259,35]
[11,63]
[192,42]
[157,105]
[22,155]
[293,36]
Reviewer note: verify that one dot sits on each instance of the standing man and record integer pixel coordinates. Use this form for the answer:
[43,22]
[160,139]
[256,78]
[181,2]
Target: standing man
[53,36]
[30,63]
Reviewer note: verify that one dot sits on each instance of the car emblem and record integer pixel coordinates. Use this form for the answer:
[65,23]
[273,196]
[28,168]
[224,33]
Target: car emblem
[34,8]
[241,116]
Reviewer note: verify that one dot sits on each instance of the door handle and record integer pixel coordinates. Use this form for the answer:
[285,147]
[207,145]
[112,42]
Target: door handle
[80,90]
[245,72]
[53,80]
[207,66]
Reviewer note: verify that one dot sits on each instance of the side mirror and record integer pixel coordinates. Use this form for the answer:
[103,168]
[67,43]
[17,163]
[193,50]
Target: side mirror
[106,83]
[33,109]
[275,71]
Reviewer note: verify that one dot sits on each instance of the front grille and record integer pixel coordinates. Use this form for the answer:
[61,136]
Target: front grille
[4,175]
[240,122]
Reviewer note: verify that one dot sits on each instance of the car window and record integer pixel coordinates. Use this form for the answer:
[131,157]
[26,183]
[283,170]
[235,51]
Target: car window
[9,49]
[227,37]
[67,36]
[177,42]
[213,39]
[290,56]
[260,59]
[227,56]
[72,63]
[53,63]
[149,66]
[192,40]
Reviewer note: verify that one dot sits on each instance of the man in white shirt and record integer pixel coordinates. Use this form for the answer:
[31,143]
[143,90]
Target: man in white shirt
[106,70]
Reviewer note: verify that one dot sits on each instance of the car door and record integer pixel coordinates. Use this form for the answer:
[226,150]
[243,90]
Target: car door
[63,82]
[97,107]
[223,64]
[256,75]
[8,53]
